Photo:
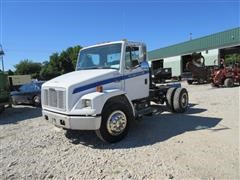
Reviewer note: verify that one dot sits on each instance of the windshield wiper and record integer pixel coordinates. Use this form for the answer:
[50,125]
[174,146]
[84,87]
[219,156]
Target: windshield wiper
[97,67]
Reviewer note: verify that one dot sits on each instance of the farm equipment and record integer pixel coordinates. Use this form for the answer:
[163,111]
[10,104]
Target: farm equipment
[198,71]
[4,86]
[4,92]
[225,76]
[110,88]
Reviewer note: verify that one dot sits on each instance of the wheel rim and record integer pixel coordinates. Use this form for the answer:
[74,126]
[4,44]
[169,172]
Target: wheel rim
[184,100]
[36,100]
[116,123]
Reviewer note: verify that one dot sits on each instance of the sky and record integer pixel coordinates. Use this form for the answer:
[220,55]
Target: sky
[34,29]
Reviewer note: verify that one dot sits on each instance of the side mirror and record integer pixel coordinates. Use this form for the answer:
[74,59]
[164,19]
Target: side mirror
[144,65]
[143,53]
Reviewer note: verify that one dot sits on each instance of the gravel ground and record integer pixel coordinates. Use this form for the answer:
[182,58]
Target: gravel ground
[202,143]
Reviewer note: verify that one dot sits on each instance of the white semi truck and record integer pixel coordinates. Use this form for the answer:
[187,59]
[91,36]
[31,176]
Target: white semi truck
[110,88]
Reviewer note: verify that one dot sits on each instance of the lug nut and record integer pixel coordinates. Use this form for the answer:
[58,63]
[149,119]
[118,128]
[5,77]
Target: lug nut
[62,122]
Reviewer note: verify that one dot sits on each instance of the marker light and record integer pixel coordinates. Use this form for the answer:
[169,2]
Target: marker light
[99,89]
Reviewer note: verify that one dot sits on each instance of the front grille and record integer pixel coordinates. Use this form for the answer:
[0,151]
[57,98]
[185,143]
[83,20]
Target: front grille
[54,98]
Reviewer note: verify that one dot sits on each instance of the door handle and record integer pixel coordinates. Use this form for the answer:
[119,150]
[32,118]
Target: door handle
[146,81]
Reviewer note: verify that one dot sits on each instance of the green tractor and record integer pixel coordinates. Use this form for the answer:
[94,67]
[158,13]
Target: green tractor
[4,86]
[4,92]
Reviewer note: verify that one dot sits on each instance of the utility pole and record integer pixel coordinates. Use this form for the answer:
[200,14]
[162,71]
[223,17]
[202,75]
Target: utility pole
[1,56]
[190,36]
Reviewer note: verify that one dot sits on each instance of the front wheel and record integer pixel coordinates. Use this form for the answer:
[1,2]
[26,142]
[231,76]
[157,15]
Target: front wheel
[228,82]
[115,122]
[213,85]
[37,101]
[13,102]
[189,82]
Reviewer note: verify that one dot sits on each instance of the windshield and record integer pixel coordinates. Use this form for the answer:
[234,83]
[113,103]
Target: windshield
[101,57]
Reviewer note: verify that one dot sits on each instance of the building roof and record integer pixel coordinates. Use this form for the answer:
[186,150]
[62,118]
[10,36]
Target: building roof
[217,40]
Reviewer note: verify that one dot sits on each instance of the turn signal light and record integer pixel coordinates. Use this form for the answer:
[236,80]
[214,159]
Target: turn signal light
[99,89]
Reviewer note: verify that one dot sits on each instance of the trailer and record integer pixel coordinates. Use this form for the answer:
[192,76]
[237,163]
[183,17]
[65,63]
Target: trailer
[15,81]
[110,88]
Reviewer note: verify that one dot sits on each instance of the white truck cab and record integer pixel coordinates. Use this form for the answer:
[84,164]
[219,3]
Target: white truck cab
[110,88]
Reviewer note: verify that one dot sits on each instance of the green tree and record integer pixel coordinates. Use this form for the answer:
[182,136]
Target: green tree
[231,59]
[28,67]
[68,59]
[49,71]
[60,63]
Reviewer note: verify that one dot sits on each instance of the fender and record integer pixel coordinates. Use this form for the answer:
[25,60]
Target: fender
[98,100]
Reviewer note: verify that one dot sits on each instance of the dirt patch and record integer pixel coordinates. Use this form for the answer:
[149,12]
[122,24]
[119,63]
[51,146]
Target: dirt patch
[202,143]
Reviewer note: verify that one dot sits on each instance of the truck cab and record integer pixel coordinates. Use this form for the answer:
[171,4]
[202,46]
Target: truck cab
[109,89]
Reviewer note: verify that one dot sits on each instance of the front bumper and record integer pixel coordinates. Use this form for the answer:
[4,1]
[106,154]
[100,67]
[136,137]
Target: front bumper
[72,121]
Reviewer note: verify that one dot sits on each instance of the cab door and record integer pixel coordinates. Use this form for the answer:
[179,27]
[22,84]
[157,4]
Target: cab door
[136,77]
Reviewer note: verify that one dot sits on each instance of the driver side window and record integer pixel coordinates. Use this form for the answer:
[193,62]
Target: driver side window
[131,57]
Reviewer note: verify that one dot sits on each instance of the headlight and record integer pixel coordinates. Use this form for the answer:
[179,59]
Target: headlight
[87,103]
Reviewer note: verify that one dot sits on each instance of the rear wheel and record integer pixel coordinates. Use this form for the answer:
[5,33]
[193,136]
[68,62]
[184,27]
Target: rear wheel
[116,117]
[169,98]
[228,82]
[180,100]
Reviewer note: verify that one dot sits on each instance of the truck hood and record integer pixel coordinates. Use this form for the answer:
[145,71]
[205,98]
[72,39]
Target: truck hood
[79,77]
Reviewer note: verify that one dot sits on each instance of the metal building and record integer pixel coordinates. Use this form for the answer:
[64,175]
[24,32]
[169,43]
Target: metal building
[212,47]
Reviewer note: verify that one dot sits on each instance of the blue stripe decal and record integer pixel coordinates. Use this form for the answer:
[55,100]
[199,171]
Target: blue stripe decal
[107,81]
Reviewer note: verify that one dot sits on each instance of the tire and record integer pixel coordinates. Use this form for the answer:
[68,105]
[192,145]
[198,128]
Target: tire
[109,132]
[37,101]
[2,108]
[180,100]
[199,81]
[169,98]
[13,102]
[189,82]
[214,85]
[228,82]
